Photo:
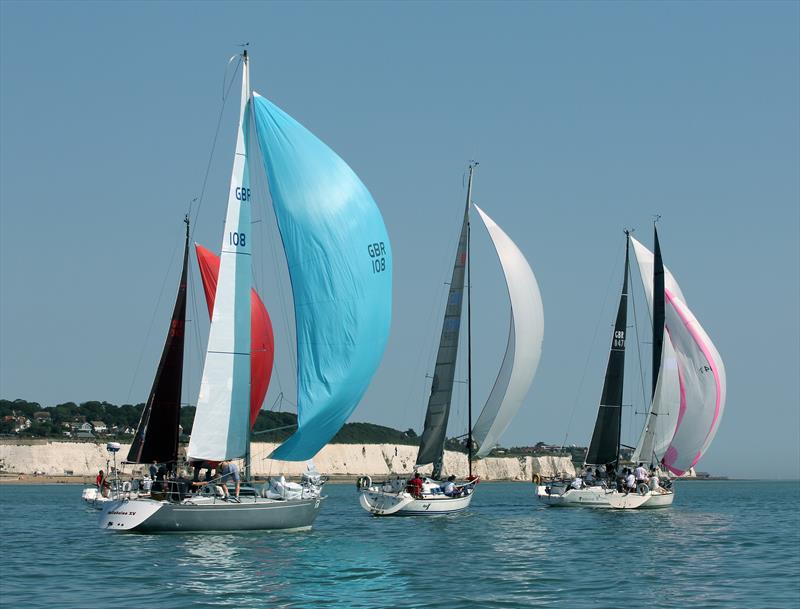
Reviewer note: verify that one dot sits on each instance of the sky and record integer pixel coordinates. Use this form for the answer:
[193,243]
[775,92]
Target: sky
[586,118]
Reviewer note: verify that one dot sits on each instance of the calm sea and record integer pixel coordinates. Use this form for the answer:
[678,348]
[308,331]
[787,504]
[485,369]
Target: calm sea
[722,544]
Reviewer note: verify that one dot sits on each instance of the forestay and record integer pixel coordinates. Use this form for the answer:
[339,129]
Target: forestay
[340,265]
[524,345]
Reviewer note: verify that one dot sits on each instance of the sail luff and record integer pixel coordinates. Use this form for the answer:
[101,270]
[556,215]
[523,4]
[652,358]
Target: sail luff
[604,446]
[156,437]
[221,425]
[431,447]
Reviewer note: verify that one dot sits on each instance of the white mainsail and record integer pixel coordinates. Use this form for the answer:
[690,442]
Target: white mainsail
[524,347]
[221,425]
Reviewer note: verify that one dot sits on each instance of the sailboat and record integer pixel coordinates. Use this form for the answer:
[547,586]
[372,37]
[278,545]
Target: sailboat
[399,496]
[340,264]
[687,397]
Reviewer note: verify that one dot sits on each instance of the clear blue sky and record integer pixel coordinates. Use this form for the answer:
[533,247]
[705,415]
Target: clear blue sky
[585,117]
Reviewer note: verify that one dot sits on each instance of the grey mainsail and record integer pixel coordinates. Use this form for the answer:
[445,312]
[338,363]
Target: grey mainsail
[604,447]
[431,448]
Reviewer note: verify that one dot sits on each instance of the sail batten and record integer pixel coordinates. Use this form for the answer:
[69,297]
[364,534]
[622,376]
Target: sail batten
[340,265]
[524,346]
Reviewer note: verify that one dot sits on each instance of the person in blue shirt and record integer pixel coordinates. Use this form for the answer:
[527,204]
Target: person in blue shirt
[228,470]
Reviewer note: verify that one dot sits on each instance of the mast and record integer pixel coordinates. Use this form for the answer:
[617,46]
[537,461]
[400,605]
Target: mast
[605,445]
[469,325]
[245,98]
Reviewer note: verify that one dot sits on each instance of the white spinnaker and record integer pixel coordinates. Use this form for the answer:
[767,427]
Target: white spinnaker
[663,416]
[221,425]
[524,346]
[702,387]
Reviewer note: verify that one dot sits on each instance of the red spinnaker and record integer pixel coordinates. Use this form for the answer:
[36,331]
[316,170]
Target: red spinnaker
[262,343]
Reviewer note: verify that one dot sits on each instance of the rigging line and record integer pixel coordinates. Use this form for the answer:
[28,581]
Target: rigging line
[638,354]
[152,321]
[214,144]
[609,285]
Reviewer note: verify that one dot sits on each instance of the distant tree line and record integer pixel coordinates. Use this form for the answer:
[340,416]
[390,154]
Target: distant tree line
[269,427]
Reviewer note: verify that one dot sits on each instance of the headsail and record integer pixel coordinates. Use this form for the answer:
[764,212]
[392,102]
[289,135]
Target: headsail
[431,444]
[662,417]
[702,388]
[221,426]
[690,398]
[262,342]
[156,436]
[646,262]
[524,347]
[340,264]
[604,447]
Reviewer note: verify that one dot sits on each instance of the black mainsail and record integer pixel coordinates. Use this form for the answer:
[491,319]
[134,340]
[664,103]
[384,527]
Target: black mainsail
[156,436]
[431,448]
[658,310]
[604,447]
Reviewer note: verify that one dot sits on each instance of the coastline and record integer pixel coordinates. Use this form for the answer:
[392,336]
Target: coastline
[61,462]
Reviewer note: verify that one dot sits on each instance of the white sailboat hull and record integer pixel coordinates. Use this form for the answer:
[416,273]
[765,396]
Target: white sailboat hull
[95,499]
[599,497]
[210,514]
[380,503]
[660,500]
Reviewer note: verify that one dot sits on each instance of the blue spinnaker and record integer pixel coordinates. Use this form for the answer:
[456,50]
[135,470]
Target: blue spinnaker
[340,264]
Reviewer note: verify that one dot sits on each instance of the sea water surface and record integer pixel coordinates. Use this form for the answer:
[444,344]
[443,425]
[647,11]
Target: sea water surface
[722,544]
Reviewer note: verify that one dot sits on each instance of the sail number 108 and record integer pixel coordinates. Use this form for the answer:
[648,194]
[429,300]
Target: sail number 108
[238,239]
[377,252]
